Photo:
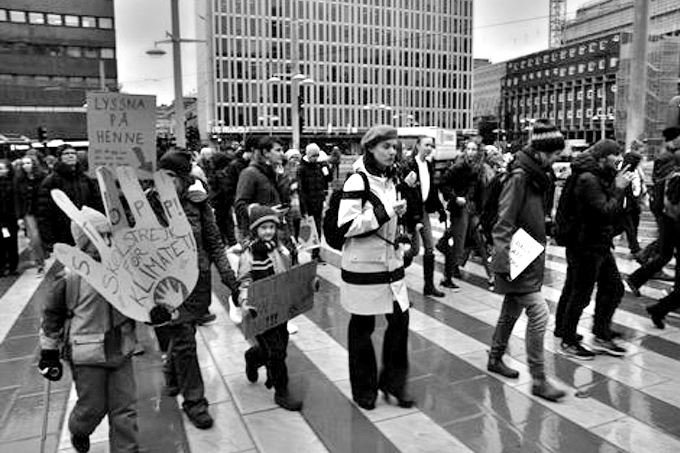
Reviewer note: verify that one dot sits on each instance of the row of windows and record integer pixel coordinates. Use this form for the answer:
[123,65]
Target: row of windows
[23,48]
[556,55]
[544,99]
[569,114]
[564,71]
[53,80]
[67,20]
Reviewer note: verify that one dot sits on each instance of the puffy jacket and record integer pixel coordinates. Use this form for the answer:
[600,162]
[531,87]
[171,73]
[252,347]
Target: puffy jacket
[521,205]
[459,180]
[600,203]
[258,183]
[372,269]
[26,192]
[54,225]
[313,185]
[87,329]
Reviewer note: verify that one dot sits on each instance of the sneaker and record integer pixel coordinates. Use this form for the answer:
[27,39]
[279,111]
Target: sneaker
[576,351]
[206,319]
[80,442]
[499,367]
[632,288]
[292,328]
[199,416]
[448,283]
[657,319]
[608,347]
[287,401]
[547,391]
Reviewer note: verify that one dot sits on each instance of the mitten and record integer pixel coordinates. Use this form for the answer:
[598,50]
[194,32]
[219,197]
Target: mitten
[159,315]
[50,365]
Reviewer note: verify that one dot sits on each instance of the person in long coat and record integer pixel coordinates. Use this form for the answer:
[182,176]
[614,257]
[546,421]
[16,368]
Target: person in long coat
[373,272]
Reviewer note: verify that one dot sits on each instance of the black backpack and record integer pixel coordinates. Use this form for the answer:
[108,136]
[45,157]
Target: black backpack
[334,235]
[565,228]
[489,215]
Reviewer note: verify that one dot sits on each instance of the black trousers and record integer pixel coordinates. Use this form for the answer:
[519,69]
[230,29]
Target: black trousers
[588,268]
[363,370]
[181,368]
[9,250]
[271,351]
[630,223]
[225,222]
[667,244]
[667,304]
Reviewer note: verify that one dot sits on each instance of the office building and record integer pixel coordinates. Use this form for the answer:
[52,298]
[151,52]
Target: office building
[388,61]
[486,99]
[51,54]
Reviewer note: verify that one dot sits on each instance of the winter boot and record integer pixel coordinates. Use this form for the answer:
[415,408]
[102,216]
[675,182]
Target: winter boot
[198,415]
[499,367]
[544,389]
[252,364]
[286,400]
[657,317]
[428,270]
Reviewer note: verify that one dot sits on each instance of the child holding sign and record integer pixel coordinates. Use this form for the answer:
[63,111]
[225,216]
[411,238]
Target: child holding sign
[265,256]
[97,341]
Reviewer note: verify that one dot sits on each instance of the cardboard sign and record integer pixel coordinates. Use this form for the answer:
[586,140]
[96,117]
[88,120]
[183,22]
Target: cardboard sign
[121,129]
[139,266]
[279,298]
[309,236]
[523,251]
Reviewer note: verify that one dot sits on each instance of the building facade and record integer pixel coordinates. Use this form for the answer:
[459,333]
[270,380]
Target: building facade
[574,86]
[51,54]
[486,98]
[386,61]
[603,17]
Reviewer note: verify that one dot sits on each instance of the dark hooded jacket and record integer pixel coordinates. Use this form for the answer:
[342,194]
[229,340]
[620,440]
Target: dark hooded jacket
[258,183]
[599,203]
[521,205]
[26,192]
[313,186]
[54,225]
[460,180]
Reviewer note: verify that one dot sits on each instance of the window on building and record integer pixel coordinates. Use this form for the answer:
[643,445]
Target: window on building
[88,22]
[560,115]
[530,63]
[36,18]
[563,72]
[554,56]
[613,61]
[581,68]
[599,110]
[592,47]
[531,76]
[17,16]
[610,110]
[599,93]
[616,38]
[603,44]
[589,113]
[3,15]
[570,114]
[552,98]
[546,58]
[579,113]
[54,19]
[544,100]
[613,88]
[601,64]
[90,52]
[572,52]
[581,50]
[556,71]
[71,21]
[589,94]
[108,54]
[570,96]
[74,52]
[563,55]
[572,70]
[105,22]
[579,95]
[591,66]
[560,97]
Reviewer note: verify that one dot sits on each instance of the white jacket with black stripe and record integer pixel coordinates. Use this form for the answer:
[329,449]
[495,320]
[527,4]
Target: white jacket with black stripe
[372,268]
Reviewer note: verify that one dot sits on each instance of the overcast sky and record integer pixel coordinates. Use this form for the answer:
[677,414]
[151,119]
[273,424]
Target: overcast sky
[503,29]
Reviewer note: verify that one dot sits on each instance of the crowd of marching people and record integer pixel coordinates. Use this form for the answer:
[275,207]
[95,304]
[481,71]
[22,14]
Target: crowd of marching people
[253,197]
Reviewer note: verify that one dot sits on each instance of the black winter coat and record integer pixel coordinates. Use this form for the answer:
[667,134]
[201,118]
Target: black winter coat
[459,180]
[313,186]
[8,218]
[26,192]
[54,225]
[258,183]
[600,204]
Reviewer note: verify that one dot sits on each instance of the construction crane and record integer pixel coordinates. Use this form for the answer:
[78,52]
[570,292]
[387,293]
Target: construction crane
[558,17]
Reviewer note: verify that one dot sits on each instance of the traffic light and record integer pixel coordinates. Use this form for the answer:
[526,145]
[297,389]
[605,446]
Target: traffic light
[42,134]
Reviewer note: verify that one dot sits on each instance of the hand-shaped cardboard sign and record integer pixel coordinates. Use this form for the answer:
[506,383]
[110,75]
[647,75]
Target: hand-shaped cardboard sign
[141,266]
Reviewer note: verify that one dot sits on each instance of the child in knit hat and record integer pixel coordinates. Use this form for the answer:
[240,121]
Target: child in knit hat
[264,257]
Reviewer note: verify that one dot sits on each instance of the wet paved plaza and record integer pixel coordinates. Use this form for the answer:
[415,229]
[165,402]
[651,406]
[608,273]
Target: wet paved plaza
[623,405]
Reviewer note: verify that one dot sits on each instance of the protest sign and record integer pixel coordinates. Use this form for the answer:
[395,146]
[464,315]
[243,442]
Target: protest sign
[121,129]
[139,266]
[278,298]
[309,235]
[523,251]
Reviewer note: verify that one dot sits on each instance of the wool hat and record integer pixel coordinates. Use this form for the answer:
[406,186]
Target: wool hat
[292,153]
[260,214]
[312,147]
[604,148]
[176,161]
[546,137]
[98,220]
[377,134]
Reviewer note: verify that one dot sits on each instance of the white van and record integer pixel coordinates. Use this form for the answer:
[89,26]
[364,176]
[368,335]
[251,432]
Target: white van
[444,140]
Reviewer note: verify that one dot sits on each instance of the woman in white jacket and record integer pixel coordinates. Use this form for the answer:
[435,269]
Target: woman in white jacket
[373,272]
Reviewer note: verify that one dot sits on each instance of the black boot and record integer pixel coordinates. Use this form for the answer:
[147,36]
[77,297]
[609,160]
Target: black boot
[499,367]
[657,317]
[286,400]
[428,270]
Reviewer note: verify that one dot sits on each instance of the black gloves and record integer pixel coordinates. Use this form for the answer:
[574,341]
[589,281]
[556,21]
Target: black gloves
[159,315]
[50,365]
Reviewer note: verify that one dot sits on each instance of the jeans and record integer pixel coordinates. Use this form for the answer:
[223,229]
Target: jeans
[106,391]
[31,225]
[363,370]
[588,268]
[425,234]
[667,243]
[181,367]
[538,314]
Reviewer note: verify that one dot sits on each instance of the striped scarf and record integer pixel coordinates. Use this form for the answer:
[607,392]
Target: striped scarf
[263,266]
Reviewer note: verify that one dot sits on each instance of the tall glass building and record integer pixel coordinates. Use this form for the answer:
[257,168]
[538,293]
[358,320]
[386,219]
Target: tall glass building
[391,61]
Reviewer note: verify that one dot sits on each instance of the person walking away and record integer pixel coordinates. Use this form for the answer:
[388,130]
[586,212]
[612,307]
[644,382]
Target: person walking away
[227,180]
[373,273]
[9,228]
[26,187]
[457,186]
[667,163]
[178,339]
[97,342]
[522,206]
[425,202]
[634,197]
[263,257]
[82,190]
[292,159]
[314,178]
[598,203]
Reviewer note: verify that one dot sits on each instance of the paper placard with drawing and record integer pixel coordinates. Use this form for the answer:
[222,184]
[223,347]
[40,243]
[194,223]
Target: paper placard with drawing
[523,251]
[309,236]
[142,265]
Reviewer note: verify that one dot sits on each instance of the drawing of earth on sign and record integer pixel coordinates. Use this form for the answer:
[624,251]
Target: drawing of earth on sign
[147,261]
